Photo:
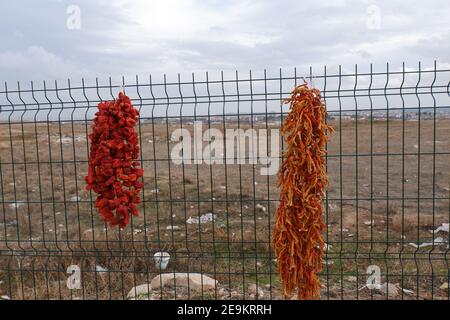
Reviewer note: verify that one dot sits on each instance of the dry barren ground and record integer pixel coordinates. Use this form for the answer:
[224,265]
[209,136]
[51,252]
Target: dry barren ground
[389,186]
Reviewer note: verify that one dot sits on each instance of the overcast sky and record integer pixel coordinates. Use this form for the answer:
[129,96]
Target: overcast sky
[51,39]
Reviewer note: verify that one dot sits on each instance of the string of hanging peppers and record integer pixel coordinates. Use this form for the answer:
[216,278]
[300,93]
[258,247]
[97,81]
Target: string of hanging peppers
[297,235]
[114,172]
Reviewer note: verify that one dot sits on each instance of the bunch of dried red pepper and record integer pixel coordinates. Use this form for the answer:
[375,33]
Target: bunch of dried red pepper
[297,236]
[114,172]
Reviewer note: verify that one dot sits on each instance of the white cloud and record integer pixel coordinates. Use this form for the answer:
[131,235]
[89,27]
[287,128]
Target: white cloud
[141,37]
[37,63]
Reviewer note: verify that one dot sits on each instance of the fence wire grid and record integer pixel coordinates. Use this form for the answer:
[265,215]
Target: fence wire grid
[387,207]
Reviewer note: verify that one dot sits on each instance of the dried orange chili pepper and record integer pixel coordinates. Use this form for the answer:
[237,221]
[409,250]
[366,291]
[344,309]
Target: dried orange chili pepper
[113,170]
[297,235]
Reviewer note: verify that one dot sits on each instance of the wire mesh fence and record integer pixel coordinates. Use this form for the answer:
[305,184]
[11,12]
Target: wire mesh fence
[210,149]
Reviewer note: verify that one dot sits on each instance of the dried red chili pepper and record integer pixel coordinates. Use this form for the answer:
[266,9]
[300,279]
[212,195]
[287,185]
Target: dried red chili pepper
[113,171]
[297,235]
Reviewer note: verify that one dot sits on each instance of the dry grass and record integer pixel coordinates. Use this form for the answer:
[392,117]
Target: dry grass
[49,228]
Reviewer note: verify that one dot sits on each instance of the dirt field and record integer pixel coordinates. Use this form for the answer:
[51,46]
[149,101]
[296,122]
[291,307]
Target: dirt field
[382,197]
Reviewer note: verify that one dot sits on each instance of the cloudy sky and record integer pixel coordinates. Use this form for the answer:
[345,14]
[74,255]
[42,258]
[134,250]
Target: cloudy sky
[57,39]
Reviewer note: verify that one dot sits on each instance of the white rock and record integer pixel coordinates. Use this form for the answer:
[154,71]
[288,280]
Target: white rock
[5,297]
[444,286]
[100,269]
[16,204]
[437,241]
[444,228]
[327,262]
[173,228]
[261,207]
[195,281]
[161,260]
[143,289]
[255,290]
[407,291]
[191,220]
[75,198]
[208,217]
[137,231]
[64,140]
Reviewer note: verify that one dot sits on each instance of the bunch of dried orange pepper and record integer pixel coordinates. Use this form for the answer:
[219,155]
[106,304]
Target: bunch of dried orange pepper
[297,235]
[114,172]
